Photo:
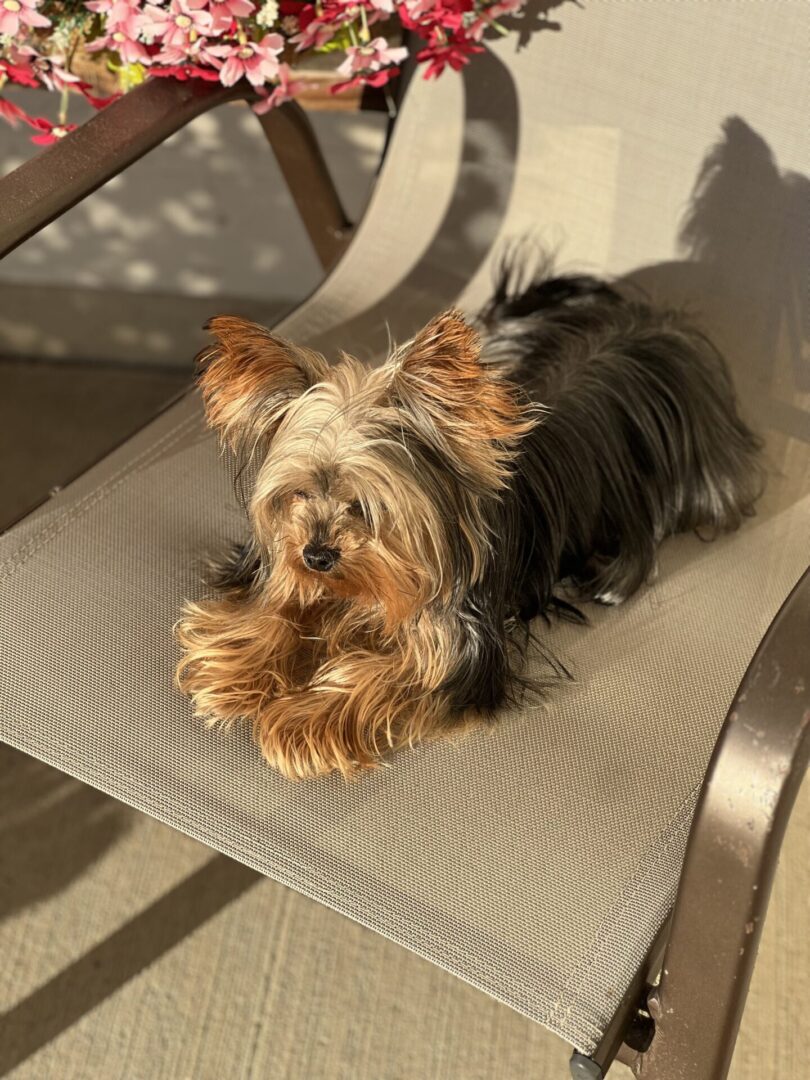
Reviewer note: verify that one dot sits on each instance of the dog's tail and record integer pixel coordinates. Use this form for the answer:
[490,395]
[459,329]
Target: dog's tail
[525,284]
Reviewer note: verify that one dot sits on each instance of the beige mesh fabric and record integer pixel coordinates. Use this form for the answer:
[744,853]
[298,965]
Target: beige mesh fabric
[535,860]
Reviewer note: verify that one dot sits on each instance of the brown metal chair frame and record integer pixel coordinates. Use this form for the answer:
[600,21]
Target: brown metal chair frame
[680,1017]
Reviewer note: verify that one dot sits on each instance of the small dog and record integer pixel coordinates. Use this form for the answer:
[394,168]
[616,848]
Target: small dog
[408,521]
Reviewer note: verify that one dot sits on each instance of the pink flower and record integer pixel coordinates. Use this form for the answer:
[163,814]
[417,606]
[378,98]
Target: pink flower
[115,10]
[285,91]
[257,61]
[104,7]
[130,50]
[47,69]
[371,57]
[504,7]
[193,54]
[17,13]
[223,12]
[125,21]
[124,15]
[368,78]
[182,23]
[315,34]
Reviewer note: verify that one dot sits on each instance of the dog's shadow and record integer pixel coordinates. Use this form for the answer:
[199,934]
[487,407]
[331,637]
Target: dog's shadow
[744,275]
[52,829]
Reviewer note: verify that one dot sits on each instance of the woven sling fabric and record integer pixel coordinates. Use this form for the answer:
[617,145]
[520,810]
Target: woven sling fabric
[664,143]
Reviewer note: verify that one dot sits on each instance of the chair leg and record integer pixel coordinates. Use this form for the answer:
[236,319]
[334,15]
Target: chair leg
[302,164]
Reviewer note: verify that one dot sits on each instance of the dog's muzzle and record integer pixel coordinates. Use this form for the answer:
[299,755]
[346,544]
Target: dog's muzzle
[319,558]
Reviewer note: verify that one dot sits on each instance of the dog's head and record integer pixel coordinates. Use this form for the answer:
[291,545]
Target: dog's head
[370,482]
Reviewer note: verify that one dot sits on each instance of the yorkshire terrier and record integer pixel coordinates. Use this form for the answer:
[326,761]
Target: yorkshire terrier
[409,520]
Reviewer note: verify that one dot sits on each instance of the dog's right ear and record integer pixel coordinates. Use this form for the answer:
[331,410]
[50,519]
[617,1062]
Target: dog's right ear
[249,377]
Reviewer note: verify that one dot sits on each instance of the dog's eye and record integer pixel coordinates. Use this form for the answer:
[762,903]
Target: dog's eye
[356,509]
[305,495]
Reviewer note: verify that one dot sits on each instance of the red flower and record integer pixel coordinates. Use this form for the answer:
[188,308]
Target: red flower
[96,102]
[49,133]
[376,78]
[317,27]
[434,14]
[24,76]
[184,72]
[456,53]
[13,113]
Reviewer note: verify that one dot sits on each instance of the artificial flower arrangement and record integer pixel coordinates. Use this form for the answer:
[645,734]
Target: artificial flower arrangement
[226,40]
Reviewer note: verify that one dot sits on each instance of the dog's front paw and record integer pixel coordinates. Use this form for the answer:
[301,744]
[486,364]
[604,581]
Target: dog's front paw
[224,670]
[308,734]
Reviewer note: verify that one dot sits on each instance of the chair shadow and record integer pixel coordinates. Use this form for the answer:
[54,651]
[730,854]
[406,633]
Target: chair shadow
[52,830]
[743,280]
[469,228]
[56,1005]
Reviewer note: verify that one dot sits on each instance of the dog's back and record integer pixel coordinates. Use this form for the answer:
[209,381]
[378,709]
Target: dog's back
[641,436]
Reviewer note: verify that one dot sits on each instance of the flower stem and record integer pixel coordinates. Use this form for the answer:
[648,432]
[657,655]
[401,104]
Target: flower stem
[63,106]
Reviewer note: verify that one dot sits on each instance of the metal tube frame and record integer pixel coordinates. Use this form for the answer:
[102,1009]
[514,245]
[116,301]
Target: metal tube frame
[754,774]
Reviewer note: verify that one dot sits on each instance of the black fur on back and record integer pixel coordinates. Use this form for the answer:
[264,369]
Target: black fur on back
[641,439]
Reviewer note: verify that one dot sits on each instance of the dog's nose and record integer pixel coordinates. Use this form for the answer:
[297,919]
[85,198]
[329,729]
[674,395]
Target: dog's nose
[320,558]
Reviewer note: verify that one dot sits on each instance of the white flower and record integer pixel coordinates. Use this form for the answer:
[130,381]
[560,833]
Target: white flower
[61,36]
[268,13]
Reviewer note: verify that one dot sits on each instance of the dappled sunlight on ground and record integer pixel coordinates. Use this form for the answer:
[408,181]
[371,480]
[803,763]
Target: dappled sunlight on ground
[205,221]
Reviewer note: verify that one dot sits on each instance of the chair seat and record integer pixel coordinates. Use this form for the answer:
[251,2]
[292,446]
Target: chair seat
[535,859]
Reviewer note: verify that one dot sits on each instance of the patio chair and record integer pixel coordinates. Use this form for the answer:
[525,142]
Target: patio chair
[601,864]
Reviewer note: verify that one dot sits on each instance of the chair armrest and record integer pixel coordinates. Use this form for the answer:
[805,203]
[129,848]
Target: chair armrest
[53,181]
[753,778]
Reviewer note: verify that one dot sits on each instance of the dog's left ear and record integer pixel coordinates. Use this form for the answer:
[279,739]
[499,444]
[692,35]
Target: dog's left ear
[440,379]
[249,378]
